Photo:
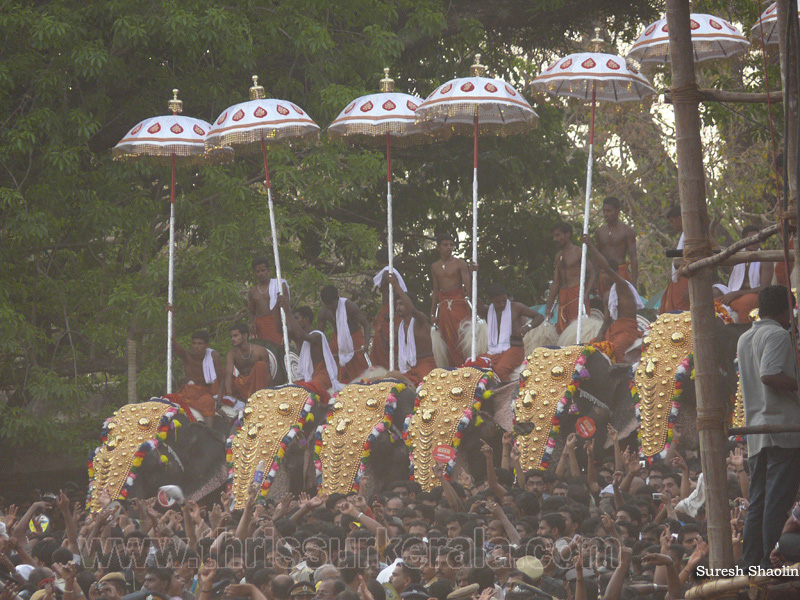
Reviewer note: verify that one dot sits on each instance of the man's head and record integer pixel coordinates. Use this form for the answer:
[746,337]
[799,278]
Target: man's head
[551,525]
[448,562]
[611,208]
[382,257]
[305,317]
[747,231]
[534,483]
[562,234]
[330,297]
[394,506]
[445,244]
[314,552]
[403,576]
[281,585]
[672,484]
[199,341]
[497,296]
[689,537]
[773,303]
[453,528]
[261,269]
[560,489]
[157,579]
[240,333]
[674,218]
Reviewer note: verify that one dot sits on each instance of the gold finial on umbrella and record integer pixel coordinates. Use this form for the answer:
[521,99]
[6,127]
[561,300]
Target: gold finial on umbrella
[387,83]
[175,105]
[477,70]
[257,91]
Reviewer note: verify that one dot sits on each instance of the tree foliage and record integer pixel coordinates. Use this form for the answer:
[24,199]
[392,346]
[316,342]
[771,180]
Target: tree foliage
[84,238]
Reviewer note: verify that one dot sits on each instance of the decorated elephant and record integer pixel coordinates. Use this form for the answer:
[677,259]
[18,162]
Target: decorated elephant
[151,444]
[665,390]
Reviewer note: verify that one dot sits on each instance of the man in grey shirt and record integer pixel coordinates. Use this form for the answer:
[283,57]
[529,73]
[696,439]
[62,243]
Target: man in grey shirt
[768,376]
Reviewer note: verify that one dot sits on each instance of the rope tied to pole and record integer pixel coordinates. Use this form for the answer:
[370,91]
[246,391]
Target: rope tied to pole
[695,249]
[711,419]
[688,93]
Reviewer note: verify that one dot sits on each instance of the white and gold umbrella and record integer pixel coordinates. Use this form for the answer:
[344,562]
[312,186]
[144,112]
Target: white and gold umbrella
[372,120]
[476,105]
[251,127]
[168,139]
[592,76]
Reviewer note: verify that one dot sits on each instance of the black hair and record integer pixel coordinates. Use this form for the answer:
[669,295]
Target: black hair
[444,236]
[201,334]
[613,202]
[44,550]
[563,227]
[241,328]
[495,289]
[555,520]
[329,294]
[161,573]
[305,312]
[772,301]
[259,260]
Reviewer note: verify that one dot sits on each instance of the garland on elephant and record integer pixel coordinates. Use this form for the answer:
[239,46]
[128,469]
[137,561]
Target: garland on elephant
[470,415]
[684,374]
[579,374]
[166,424]
[388,419]
[269,476]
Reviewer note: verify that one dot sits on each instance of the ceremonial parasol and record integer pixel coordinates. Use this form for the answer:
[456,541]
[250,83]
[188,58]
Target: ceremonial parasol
[167,138]
[370,121]
[712,37]
[476,105]
[249,127]
[592,76]
[767,25]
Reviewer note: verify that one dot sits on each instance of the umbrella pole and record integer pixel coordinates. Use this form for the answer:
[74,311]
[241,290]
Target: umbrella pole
[389,226]
[277,258]
[586,208]
[171,276]
[474,239]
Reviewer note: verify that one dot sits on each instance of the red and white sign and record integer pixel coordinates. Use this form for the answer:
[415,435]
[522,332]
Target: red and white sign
[585,427]
[444,453]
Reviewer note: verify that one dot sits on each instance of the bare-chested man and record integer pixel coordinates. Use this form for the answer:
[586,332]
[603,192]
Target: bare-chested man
[415,348]
[746,280]
[202,366]
[622,301]
[250,360]
[567,278]
[451,288]
[262,300]
[617,242]
[379,353]
[351,331]
[506,329]
[317,369]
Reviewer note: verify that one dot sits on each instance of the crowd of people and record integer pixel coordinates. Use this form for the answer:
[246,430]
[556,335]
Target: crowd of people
[602,524]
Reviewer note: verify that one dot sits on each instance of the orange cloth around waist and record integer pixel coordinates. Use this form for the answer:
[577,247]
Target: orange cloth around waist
[624,271]
[503,364]
[421,369]
[453,309]
[743,305]
[269,328]
[676,296]
[320,382]
[622,333]
[245,386]
[358,364]
[568,306]
[379,354]
[202,398]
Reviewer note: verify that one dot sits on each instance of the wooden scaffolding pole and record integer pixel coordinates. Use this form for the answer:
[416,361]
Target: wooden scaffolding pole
[691,187]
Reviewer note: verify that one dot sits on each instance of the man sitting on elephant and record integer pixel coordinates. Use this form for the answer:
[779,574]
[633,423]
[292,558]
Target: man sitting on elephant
[506,350]
[251,361]
[201,365]
[415,348]
[622,301]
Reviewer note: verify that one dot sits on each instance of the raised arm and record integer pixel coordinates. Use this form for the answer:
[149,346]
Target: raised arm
[324,317]
[178,349]
[406,301]
[466,278]
[554,287]
[602,263]
[228,380]
[358,314]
